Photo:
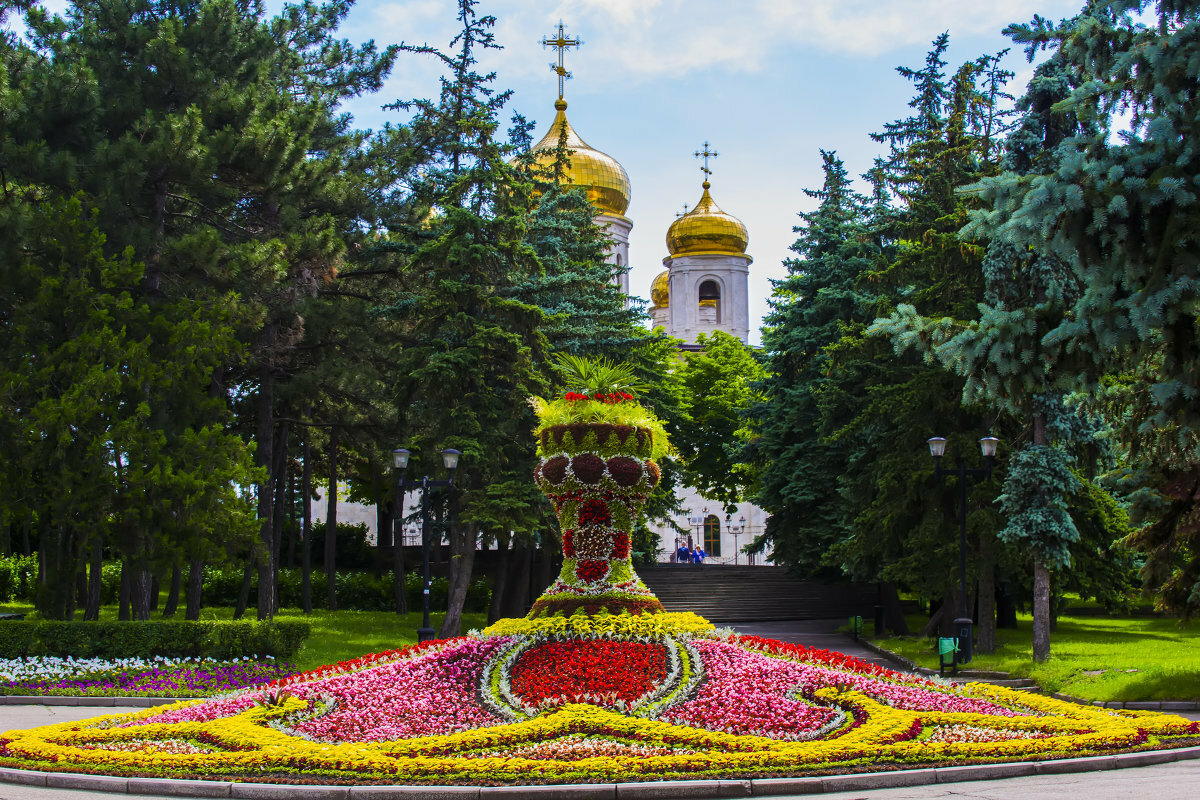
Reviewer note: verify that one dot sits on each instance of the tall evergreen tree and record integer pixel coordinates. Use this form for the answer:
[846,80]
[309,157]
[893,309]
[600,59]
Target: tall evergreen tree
[209,140]
[1118,212]
[811,309]
[471,360]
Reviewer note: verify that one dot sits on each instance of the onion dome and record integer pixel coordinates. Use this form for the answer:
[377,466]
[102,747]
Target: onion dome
[707,229]
[605,180]
[660,290]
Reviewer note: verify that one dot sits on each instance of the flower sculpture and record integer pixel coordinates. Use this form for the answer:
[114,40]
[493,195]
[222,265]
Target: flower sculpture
[597,684]
[597,449]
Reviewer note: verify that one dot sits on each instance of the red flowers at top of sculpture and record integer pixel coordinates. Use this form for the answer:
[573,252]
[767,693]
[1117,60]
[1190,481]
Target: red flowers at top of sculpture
[610,397]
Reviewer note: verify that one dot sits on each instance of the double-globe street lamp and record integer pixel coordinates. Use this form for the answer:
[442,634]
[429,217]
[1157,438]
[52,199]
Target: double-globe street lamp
[937,449]
[400,462]
[735,531]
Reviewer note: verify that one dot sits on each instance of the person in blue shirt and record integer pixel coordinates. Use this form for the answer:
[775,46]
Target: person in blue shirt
[698,555]
[683,555]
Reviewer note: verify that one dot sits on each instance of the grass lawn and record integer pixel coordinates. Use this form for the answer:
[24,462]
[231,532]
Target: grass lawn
[1091,657]
[336,635]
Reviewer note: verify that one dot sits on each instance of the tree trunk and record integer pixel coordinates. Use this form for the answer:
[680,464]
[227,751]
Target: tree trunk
[987,592]
[1041,577]
[934,623]
[91,610]
[395,523]
[152,596]
[306,530]
[56,568]
[195,589]
[516,594]
[123,593]
[293,528]
[265,458]
[331,522]
[893,612]
[278,511]
[463,540]
[139,591]
[1041,612]
[499,578]
[244,592]
[173,592]
[382,529]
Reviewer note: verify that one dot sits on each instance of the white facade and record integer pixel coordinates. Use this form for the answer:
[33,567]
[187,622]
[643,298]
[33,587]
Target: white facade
[695,279]
[618,229]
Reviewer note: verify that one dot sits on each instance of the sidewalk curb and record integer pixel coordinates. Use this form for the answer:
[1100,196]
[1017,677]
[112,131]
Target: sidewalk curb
[79,700]
[648,790]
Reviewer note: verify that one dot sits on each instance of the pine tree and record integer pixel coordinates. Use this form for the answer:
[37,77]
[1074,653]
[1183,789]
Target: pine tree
[210,142]
[811,309]
[1117,211]
[473,348]
[1002,359]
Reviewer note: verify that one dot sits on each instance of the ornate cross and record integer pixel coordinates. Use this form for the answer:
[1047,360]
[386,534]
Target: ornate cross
[562,43]
[706,154]
[684,212]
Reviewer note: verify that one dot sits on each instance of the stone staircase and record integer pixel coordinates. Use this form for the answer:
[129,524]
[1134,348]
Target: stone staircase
[725,593]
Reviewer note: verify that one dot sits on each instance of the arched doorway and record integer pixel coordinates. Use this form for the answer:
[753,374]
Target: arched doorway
[712,535]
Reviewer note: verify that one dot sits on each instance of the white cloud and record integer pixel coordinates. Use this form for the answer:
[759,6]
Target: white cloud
[637,40]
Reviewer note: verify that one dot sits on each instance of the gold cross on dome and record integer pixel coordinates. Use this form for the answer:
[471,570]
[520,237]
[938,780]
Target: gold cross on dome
[706,154]
[684,212]
[561,43]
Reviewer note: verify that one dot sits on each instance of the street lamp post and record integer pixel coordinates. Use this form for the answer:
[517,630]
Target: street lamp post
[400,462]
[937,449]
[735,531]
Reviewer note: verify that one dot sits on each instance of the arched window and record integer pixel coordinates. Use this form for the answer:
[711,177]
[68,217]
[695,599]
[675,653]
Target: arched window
[710,297]
[712,535]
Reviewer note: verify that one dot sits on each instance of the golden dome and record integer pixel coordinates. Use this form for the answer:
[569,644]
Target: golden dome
[707,229]
[660,289]
[606,181]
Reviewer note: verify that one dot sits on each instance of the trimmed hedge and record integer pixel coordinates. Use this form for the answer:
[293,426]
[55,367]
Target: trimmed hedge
[203,639]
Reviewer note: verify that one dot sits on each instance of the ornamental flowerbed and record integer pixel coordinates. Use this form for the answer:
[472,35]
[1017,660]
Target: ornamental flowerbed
[135,677]
[599,684]
[604,697]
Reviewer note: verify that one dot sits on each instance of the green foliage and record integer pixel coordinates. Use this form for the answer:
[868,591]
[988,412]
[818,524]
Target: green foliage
[593,376]
[811,309]
[1036,487]
[356,591]
[207,639]
[18,576]
[719,384]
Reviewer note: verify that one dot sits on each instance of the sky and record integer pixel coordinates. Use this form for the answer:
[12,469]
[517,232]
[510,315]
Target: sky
[768,83]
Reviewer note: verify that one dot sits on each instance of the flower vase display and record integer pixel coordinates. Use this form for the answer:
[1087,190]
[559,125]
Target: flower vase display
[598,476]
[596,447]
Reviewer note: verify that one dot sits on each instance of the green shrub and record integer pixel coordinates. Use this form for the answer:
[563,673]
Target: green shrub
[204,639]
[18,578]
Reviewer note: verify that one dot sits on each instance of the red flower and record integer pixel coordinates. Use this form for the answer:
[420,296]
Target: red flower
[594,512]
[620,545]
[582,670]
[589,571]
[569,543]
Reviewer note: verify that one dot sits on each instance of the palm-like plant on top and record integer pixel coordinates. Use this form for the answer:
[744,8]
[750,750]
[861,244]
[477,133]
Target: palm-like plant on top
[598,390]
